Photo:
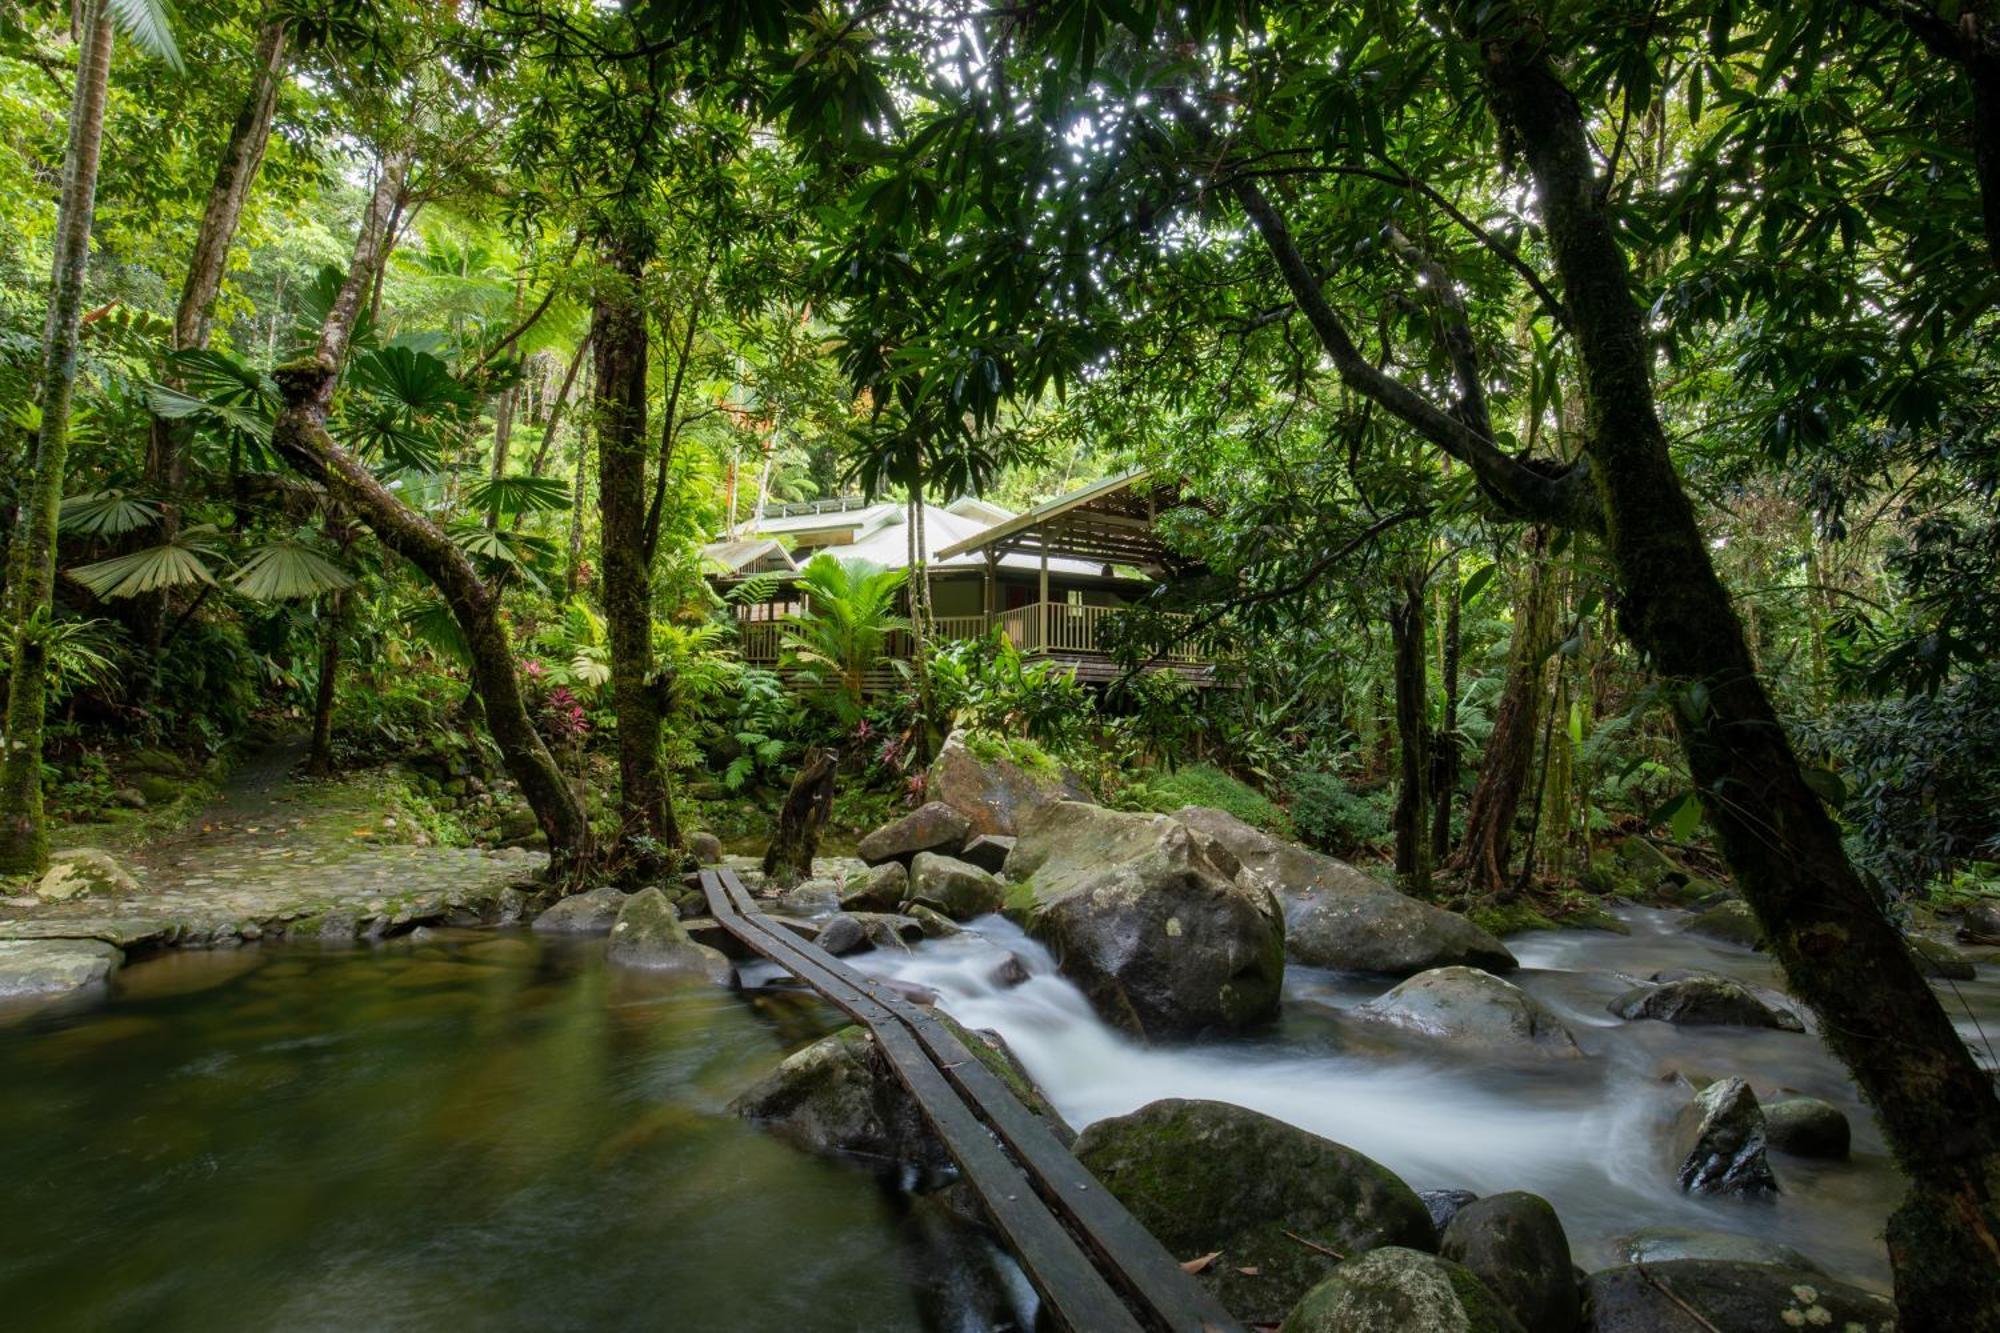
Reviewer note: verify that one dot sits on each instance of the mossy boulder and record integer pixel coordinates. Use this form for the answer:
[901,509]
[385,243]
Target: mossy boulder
[1981,922]
[886,888]
[1514,1244]
[706,849]
[1476,1012]
[648,934]
[1649,868]
[1703,999]
[1208,1177]
[1728,1297]
[1396,1290]
[956,888]
[1807,1127]
[1336,916]
[1939,960]
[1150,918]
[996,784]
[1731,922]
[84,872]
[159,788]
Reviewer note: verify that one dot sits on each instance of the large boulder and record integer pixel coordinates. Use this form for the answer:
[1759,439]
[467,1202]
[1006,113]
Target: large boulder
[1807,1127]
[1935,958]
[706,848]
[1336,916]
[1275,1203]
[958,889]
[931,827]
[53,967]
[1514,1244]
[1728,1297]
[1704,999]
[592,913]
[1731,922]
[648,934]
[1655,1245]
[989,851]
[1395,1290]
[1477,1012]
[84,872]
[997,784]
[1718,1141]
[1152,919]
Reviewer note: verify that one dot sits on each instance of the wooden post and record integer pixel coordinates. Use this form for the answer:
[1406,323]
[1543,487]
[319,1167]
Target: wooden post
[989,591]
[1042,605]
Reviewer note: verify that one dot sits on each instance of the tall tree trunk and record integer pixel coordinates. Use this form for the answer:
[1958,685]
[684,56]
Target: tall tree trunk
[333,628]
[795,841]
[1510,748]
[1444,749]
[1840,952]
[503,438]
[618,329]
[573,571]
[301,438]
[24,847]
[242,154]
[1406,630]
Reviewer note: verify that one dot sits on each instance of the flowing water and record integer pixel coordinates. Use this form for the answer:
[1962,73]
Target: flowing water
[483,1132]
[1588,1135]
[492,1131]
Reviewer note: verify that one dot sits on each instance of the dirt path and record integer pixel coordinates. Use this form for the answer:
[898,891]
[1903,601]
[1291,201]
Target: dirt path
[276,854]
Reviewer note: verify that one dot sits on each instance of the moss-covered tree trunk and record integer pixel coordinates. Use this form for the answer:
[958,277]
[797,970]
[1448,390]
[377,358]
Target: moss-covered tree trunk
[1413,739]
[1840,952]
[332,630]
[24,847]
[301,438]
[1444,746]
[1510,747]
[647,829]
[795,841]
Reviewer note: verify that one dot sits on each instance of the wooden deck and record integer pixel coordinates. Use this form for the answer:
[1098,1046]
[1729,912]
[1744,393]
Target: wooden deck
[1097,1270]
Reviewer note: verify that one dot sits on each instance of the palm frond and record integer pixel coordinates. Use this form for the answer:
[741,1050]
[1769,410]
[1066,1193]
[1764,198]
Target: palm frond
[287,570]
[519,495]
[106,514]
[150,25]
[433,623]
[172,564]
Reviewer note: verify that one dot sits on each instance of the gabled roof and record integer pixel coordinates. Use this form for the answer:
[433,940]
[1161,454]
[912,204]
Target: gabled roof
[750,555]
[1108,522]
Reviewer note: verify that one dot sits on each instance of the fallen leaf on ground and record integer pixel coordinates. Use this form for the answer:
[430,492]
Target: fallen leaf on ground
[1201,1264]
[1251,1272]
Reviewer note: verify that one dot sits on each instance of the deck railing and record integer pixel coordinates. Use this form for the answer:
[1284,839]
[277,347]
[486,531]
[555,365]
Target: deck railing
[1059,629]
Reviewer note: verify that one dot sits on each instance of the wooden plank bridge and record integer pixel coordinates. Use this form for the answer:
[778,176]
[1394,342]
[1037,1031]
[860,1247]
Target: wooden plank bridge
[1097,1270]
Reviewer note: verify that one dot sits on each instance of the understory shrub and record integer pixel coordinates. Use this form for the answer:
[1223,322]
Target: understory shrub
[1205,784]
[1334,818]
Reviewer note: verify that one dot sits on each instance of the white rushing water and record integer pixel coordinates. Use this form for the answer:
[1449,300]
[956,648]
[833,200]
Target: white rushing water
[1589,1135]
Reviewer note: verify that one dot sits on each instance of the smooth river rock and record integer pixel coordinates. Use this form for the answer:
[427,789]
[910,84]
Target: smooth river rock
[931,827]
[1474,1011]
[1731,922]
[592,913]
[1209,1177]
[1654,1245]
[957,888]
[648,934]
[1807,1127]
[1396,1290]
[1150,918]
[886,888]
[53,967]
[1718,1140]
[1515,1245]
[1338,917]
[1729,1298]
[1703,999]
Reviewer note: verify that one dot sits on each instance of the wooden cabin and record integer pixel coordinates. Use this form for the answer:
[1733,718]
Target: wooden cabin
[1049,578]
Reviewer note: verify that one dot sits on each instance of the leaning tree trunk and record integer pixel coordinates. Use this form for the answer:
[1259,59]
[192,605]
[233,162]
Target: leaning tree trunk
[1406,629]
[647,828]
[300,437]
[24,846]
[166,451]
[795,841]
[1510,748]
[1840,952]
